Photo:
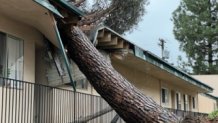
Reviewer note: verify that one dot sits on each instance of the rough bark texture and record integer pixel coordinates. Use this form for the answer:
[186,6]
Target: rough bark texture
[124,98]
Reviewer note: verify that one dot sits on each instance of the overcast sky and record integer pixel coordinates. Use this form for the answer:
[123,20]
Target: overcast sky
[157,24]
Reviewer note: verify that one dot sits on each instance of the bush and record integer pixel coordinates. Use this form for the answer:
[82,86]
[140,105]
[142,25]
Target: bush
[213,114]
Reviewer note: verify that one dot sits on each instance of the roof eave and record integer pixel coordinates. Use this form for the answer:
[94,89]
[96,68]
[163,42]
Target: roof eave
[149,57]
[211,96]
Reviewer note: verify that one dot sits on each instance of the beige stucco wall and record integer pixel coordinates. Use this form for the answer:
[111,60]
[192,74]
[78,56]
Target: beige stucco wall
[206,104]
[146,84]
[151,86]
[173,89]
[30,36]
[211,80]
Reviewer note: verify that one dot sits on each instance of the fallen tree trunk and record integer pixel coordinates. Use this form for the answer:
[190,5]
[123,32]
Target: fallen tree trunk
[124,98]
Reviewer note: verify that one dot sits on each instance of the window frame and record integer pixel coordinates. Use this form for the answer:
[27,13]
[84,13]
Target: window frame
[193,102]
[12,82]
[186,102]
[166,96]
[179,105]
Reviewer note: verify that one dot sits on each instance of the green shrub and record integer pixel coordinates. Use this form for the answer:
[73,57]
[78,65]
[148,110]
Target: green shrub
[213,114]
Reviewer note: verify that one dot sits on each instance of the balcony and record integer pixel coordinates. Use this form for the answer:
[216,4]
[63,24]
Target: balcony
[182,113]
[25,102]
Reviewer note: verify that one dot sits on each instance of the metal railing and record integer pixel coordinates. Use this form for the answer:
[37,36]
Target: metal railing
[182,113]
[25,102]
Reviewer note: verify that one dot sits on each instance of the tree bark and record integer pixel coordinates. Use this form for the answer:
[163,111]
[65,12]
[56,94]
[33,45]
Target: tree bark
[124,98]
[77,4]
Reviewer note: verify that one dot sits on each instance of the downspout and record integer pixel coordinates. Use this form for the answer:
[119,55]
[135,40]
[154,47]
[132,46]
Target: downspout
[64,54]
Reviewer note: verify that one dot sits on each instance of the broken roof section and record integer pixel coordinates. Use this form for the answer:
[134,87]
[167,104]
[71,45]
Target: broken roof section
[107,39]
[68,5]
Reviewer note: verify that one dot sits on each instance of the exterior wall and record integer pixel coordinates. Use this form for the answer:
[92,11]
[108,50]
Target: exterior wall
[30,36]
[141,80]
[151,86]
[206,104]
[173,89]
[211,80]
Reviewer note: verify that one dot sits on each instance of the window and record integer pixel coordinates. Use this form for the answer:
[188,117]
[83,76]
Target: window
[164,95]
[193,102]
[185,99]
[2,54]
[178,101]
[11,58]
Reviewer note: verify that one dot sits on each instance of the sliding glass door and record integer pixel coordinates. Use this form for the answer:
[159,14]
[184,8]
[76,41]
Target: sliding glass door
[2,54]
[14,58]
[11,57]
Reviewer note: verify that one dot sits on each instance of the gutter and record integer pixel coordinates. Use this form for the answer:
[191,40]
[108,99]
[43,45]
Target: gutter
[70,7]
[149,57]
[48,6]
[210,96]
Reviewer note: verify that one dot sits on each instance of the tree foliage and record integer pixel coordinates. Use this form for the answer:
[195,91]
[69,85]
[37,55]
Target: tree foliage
[196,28]
[119,15]
[213,114]
[182,65]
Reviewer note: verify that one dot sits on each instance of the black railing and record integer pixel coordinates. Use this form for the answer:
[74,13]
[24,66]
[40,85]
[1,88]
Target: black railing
[25,102]
[182,113]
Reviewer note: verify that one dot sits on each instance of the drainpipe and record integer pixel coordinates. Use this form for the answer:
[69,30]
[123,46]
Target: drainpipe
[64,54]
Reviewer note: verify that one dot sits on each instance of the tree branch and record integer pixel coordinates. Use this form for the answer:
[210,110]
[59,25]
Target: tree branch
[79,3]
